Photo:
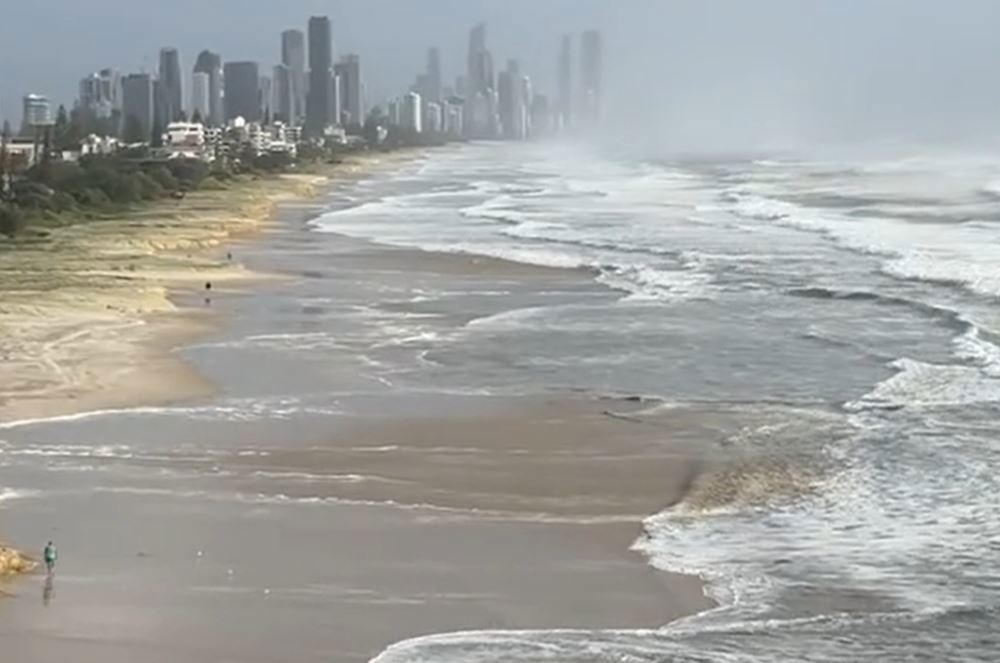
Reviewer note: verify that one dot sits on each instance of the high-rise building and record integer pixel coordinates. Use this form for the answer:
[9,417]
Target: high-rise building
[242,84]
[283,104]
[395,113]
[349,72]
[37,112]
[541,116]
[412,112]
[293,56]
[171,85]
[337,99]
[265,97]
[591,64]
[100,94]
[433,119]
[137,107]
[433,75]
[476,79]
[565,107]
[508,103]
[201,87]
[320,110]
[513,91]
[211,63]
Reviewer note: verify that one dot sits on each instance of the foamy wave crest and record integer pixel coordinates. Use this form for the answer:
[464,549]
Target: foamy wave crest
[964,255]
[12,494]
[241,410]
[921,384]
[976,273]
[644,282]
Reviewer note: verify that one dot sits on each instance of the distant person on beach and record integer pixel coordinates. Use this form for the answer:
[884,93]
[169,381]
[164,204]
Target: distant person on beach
[51,555]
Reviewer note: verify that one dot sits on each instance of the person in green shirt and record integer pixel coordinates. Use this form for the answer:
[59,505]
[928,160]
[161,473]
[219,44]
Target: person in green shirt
[51,555]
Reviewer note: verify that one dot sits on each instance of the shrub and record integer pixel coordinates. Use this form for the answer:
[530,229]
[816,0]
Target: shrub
[11,220]
[92,197]
[149,188]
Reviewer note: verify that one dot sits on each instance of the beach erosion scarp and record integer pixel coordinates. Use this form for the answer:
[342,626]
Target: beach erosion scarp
[85,311]
[86,316]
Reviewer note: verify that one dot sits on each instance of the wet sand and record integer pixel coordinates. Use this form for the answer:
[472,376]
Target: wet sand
[328,537]
[534,511]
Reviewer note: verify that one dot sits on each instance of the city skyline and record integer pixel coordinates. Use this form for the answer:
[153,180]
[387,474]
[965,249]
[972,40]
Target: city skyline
[219,91]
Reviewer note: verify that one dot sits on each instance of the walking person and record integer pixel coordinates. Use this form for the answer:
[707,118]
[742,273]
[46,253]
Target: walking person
[50,555]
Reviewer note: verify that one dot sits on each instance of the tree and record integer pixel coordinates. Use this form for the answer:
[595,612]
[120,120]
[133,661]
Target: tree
[196,118]
[68,130]
[4,162]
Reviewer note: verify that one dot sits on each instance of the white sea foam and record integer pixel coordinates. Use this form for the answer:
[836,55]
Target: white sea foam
[922,384]
[15,494]
[945,253]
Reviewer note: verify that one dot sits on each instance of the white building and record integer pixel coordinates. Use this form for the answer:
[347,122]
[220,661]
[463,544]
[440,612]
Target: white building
[454,119]
[99,145]
[411,112]
[433,120]
[186,140]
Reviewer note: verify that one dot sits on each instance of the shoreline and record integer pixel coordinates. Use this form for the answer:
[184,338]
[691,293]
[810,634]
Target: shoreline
[96,328]
[87,337]
[647,598]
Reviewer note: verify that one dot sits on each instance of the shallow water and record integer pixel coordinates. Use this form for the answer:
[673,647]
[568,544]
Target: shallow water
[840,318]
[846,311]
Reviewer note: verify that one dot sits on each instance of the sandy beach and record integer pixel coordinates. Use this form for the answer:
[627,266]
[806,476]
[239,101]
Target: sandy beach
[359,515]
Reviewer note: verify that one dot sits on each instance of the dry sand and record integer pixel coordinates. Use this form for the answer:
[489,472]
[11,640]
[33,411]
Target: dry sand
[87,316]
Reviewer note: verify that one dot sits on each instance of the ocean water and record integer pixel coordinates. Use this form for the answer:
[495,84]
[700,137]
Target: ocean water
[842,318]
[846,312]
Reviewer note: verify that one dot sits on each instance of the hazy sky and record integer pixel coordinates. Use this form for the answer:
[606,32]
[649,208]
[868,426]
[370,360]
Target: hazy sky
[689,73]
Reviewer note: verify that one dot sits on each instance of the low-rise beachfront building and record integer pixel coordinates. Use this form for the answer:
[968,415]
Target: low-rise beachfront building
[186,140]
[23,153]
[94,145]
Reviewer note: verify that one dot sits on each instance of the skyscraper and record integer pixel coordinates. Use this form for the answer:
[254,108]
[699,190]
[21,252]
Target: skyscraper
[508,103]
[283,104]
[293,56]
[201,85]
[514,92]
[349,72]
[565,107]
[412,112]
[591,65]
[433,75]
[100,94]
[265,99]
[242,91]
[319,107]
[211,64]
[171,85]
[137,107]
[476,79]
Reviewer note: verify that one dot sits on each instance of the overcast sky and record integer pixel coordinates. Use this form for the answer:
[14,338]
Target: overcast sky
[687,72]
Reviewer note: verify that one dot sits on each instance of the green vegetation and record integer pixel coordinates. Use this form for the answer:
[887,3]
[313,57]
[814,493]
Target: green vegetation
[58,193]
